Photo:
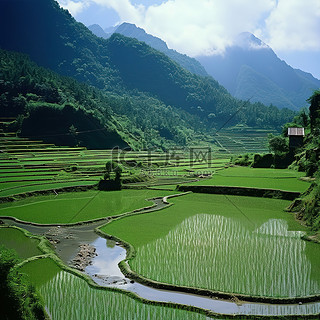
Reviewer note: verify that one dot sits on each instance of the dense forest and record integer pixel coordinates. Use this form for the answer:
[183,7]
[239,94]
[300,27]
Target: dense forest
[18,298]
[153,99]
[62,110]
[308,160]
[132,31]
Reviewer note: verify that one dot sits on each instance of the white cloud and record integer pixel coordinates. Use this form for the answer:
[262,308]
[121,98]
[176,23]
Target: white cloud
[126,11]
[208,26]
[294,25]
[74,7]
[194,28]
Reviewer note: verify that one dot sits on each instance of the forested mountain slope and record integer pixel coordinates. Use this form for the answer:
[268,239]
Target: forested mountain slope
[54,39]
[151,93]
[61,110]
[55,108]
[132,31]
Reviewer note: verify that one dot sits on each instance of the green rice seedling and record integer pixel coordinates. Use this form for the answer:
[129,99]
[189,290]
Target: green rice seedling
[211,251]
[231,244]
[68,297]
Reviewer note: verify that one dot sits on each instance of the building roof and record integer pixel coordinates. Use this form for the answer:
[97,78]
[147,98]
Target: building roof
[296,132]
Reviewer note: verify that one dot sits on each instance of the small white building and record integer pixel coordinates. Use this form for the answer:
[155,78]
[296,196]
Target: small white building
[296,136]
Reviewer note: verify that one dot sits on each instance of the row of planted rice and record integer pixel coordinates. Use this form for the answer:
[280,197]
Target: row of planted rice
[226,243]
[69,297]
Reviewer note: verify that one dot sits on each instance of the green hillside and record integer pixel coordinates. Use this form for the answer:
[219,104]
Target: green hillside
[132,31]
[137,75]
[63,111]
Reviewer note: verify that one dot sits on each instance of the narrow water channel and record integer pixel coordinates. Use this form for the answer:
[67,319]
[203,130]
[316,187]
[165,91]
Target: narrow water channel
[104,271]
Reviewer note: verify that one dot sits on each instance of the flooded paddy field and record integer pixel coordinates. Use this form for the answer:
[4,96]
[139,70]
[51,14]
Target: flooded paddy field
[225,243]
[69,297]
[230,244]
[105,272]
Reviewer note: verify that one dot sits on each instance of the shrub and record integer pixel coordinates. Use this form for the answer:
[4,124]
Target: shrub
[243,160]
[18,298]
[263,161]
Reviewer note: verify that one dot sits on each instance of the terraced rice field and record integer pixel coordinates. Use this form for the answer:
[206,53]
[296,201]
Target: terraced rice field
[244,140]
[27,165]
[280,179]
[80,206]
[224,243]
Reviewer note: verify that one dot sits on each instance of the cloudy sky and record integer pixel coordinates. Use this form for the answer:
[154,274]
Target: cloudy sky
[197,27]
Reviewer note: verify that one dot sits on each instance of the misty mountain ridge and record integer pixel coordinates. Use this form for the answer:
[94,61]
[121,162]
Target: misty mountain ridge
[251,69]
[98,31]
[249,41]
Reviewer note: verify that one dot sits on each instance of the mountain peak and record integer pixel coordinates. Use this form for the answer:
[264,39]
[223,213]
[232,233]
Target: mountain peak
[130,26]
[249,41]
[132,31]
[97,30]
[250,67]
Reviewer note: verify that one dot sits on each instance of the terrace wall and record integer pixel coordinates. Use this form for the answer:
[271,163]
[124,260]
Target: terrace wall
[242,191]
